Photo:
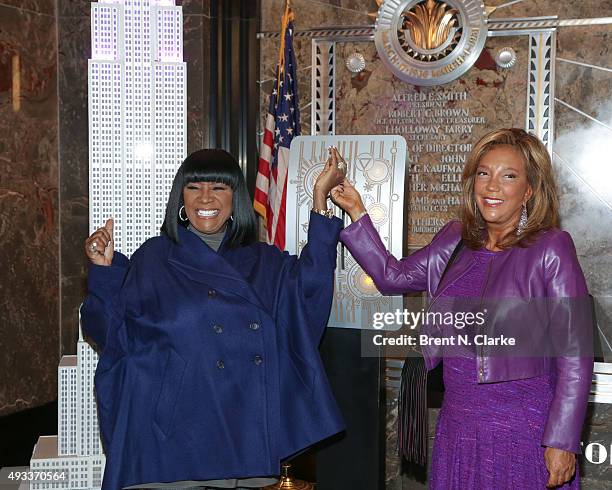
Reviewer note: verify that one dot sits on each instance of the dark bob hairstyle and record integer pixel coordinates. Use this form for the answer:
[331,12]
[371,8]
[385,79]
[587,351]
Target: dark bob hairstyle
[213,165]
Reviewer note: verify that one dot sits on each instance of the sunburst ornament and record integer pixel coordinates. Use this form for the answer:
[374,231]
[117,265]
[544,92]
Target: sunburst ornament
[430,24]
[355,63]
[430,55]
[430,42]
[429,31]
[505,58]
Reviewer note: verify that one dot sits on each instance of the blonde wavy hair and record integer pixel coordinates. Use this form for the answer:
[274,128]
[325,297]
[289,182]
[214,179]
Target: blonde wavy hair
[542,206]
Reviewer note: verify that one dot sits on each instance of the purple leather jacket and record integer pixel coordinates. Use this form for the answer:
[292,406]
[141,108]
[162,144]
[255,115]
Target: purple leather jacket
[547,269]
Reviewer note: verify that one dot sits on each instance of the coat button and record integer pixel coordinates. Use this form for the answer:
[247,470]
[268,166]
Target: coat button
[254,326]
[218,328]
[257,360]
[220,364]
[212,293]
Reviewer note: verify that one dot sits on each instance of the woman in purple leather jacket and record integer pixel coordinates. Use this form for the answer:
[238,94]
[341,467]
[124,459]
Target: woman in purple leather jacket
[508,420]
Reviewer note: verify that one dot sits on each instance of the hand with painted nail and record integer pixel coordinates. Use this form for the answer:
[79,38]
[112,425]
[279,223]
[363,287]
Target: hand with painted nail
[340,162]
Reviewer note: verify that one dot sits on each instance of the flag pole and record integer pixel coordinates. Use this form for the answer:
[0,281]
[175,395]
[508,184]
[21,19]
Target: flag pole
[282,124]
[287,17]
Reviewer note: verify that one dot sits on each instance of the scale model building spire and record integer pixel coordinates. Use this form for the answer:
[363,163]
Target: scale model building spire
[137,140]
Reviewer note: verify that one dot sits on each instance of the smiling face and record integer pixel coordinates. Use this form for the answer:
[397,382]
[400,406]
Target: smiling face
[501,187]
[208,205]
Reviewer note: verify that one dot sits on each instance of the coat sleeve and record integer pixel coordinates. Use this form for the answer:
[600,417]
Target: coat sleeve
[571,330]
[391,276]
[307,287]
[103,309]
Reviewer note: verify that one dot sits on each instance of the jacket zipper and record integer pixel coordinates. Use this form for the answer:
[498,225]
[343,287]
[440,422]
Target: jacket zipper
[480,356]
[434,299]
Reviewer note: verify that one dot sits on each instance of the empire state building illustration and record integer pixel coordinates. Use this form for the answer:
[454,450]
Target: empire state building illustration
[137,140]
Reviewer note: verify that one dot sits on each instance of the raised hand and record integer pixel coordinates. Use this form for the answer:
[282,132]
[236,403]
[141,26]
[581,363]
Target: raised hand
[331,176]
[348,198]
[99,247]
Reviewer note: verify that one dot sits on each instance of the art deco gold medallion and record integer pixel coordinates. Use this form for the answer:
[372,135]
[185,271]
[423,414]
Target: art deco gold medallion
[430,42]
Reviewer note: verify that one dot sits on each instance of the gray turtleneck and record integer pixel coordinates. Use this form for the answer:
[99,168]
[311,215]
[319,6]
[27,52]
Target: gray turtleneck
[213,240]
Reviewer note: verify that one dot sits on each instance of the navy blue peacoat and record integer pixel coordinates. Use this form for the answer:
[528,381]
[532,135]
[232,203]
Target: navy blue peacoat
[209,363]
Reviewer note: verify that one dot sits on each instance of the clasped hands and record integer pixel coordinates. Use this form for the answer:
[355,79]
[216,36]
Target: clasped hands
[332,182]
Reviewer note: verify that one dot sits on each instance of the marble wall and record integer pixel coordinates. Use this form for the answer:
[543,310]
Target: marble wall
[582,147]
[44,180]
[74,48]
[582,159]
[29,208]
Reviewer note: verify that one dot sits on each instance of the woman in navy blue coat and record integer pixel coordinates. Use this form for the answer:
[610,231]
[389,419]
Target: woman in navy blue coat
[209,369]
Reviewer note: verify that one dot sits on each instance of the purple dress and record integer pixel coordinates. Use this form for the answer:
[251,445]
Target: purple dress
[488,435]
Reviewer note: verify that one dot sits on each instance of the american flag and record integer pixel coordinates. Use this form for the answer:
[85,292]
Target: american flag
[282,125]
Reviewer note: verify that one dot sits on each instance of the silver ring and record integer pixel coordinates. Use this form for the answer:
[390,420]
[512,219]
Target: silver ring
[93,246]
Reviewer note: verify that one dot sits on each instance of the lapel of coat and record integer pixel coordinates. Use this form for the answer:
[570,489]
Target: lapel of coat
[221,271]
[462,264]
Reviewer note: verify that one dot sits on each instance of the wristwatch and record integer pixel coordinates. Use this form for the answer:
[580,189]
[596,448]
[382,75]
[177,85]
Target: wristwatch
[328,213]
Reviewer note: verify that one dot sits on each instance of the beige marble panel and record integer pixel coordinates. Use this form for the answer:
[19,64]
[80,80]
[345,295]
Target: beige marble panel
[582,150]
[366,99]
[564,9]
[317,13]
[591,44]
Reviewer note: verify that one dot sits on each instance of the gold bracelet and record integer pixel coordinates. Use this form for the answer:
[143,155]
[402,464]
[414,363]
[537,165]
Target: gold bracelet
[361,215]
[328,213]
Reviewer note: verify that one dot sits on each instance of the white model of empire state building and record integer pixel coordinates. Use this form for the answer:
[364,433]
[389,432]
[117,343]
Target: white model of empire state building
[137,140]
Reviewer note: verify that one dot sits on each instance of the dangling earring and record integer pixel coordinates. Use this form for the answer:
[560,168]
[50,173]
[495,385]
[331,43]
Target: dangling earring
[522,220]
[182,208]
